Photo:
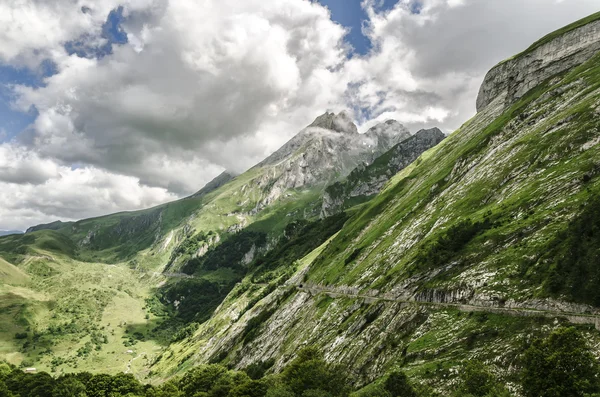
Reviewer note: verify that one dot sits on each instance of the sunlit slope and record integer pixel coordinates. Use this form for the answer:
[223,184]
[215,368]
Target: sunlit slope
[476,215]
[465,254]
[10,274]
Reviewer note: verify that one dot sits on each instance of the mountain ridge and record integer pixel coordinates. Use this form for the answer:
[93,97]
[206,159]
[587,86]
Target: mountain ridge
[499,215]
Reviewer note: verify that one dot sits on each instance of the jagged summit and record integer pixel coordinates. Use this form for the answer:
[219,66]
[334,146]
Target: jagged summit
[341,122]
[367,180]
[334,134]
[325,152]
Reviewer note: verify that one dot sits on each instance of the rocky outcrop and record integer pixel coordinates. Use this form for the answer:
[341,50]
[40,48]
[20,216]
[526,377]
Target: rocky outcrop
[550,56]
[367,180]
[340,122]
[324,152]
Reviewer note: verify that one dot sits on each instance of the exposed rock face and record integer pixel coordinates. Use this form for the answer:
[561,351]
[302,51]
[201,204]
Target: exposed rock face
[340,122]
[367,180]
[324,152]
[517,76]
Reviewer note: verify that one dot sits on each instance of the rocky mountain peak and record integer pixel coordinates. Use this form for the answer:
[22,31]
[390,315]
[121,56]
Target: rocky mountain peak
[341,122]
[388,133]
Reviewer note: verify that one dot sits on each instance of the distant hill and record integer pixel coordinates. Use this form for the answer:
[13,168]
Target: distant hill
[9,232]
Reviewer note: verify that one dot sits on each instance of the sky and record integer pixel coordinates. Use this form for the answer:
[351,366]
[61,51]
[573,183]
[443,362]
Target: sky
[112,105]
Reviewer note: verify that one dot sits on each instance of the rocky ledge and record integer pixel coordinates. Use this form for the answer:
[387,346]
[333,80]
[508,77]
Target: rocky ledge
[516,76]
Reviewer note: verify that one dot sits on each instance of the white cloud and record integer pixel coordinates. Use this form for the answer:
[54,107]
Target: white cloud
[207,85]
[35,190]
[200,74]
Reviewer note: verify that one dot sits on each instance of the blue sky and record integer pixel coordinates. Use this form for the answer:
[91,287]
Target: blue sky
[13,121]
[348,13]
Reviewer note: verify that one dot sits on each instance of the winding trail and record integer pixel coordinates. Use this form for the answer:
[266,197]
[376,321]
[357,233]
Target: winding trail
[130,362]
[573,317]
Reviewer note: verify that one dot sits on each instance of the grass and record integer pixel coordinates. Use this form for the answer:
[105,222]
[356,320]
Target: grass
[556,34]
[430,197]
[78,317]
[12,275]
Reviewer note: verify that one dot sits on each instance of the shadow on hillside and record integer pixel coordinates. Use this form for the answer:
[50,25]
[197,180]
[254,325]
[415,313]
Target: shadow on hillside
[159,330]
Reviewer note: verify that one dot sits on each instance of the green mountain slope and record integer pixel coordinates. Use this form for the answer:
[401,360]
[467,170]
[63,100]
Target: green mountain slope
[465,254]
[365,181]
[100,290]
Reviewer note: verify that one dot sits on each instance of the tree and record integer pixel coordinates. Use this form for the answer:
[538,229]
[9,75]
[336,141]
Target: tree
[68,386]
[560,365]
[397,385]
[201,379]
[476,380]
[310,372]
[280,390]
[252,388]
[4,392]
[227,382]
[378,390]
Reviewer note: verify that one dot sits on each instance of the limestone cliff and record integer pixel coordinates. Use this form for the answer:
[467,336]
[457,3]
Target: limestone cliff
[550,56]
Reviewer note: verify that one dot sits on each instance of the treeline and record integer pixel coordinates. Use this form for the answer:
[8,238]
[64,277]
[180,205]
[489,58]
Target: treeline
[559,365]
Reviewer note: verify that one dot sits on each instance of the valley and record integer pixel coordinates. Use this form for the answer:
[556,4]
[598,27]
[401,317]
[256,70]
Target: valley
[382,252]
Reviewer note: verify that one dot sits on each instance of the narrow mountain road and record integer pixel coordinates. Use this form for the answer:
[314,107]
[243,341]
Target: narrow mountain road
[573,317]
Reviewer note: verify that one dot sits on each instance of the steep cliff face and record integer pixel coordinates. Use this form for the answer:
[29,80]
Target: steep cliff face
[552,55]
[367,179]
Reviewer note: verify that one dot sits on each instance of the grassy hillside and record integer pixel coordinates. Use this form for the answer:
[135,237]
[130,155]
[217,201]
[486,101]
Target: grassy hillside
[465,254]
[556,34]
[12,275]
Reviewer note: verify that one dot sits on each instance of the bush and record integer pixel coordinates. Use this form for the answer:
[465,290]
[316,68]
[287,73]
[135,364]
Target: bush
[573,258]
[398,386]
[451,242]
[560,365]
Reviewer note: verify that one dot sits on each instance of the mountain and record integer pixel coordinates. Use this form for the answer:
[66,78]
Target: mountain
[324,152]
[366,180]
[484,241]
[56,225]
[285,186]
[166,268]
[9,232]
[216,183]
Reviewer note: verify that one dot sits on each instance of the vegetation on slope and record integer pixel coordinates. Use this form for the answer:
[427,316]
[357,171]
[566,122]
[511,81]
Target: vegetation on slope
[472,222]
[573,257]
[555,366]
[556,34]
[518,167]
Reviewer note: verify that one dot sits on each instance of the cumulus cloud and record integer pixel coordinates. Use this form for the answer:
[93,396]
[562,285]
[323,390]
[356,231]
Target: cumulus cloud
[198,74]
[201,86]
[427,66]
[35,190]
